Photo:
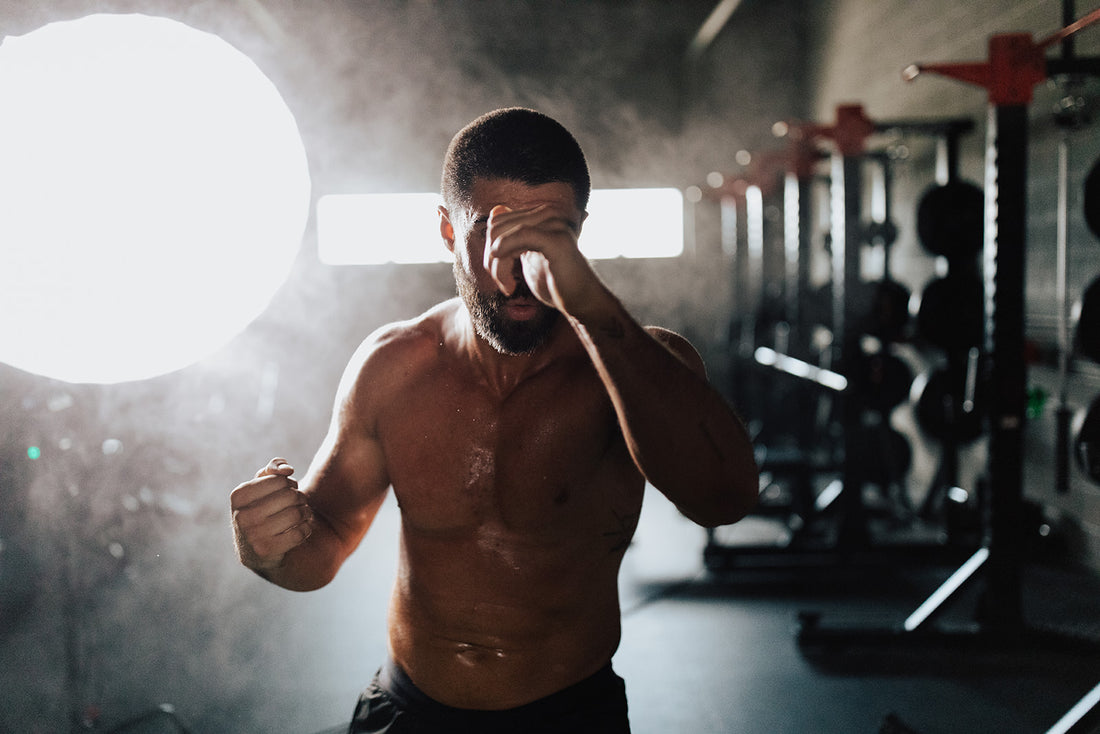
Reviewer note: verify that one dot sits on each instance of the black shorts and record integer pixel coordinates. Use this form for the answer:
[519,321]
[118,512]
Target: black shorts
[392,704]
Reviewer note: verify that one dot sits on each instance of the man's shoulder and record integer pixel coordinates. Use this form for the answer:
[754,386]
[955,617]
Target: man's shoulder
[427,328]
[679,346]
[405,344]
[391,361]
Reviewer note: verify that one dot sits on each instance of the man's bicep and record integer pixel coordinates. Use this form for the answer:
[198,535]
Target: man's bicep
[347,479]
[347,483]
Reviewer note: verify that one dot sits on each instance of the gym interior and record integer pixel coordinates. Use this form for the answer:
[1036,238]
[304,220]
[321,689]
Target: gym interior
[890,263]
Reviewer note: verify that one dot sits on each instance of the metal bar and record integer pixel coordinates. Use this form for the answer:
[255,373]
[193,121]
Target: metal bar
[963,574]
[711,27]
[792,239]
[847,225]
[1068,14]
[798,368]
[1068,724]
[1006,228]
[1087,66]
[754,253]
[1062,257]
[1064,416]
[1065,33]
[936,128]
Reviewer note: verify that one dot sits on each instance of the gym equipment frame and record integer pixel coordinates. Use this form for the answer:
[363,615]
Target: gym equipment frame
[1016,64]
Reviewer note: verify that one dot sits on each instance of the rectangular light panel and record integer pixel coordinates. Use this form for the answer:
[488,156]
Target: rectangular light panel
[373,229]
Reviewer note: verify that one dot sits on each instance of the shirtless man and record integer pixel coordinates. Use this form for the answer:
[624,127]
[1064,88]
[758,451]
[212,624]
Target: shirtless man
[517,425]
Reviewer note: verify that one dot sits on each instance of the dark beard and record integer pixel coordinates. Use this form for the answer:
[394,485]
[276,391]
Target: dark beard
[491,324]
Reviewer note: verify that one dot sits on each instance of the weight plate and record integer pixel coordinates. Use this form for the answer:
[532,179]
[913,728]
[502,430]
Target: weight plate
[1086,442]
[951,314]
[951,220]
[1092,199]
[940,410]
[1087,340]
[881,381]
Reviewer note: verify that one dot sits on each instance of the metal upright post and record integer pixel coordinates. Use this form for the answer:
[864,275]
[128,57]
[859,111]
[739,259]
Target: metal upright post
[1004,269]
[846,194]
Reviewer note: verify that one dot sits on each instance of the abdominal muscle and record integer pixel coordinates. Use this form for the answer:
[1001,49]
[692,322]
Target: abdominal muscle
[480,620]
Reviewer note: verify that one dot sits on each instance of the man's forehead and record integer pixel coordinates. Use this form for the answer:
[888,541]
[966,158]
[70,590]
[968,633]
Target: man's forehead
[488,192]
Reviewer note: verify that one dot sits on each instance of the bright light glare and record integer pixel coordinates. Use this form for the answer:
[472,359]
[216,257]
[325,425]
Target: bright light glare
[371,229]
[368,229]
[634,223]
[153,197]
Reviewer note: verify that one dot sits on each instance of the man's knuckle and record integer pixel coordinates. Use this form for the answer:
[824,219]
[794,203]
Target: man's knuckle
[263,548]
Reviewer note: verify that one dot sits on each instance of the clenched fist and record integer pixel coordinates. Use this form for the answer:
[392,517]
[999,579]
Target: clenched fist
[270,516]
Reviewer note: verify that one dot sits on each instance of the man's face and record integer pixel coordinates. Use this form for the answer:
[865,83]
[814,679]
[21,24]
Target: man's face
[515,324]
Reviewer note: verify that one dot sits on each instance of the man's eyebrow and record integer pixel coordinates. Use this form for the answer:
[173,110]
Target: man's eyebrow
[572,223]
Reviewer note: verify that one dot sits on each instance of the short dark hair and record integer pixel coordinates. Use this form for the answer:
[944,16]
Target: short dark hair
[517,144]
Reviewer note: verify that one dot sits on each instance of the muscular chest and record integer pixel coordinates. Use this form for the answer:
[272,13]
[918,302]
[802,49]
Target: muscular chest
[548,453]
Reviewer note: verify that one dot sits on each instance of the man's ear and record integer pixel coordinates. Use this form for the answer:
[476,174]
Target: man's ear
[446,229]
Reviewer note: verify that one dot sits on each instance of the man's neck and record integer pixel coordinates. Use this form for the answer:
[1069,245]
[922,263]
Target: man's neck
[502,373]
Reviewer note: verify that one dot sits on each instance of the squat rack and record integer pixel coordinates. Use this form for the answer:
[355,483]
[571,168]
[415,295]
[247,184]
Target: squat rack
[1016,64]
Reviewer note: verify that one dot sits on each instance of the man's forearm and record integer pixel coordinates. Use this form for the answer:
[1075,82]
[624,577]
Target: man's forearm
[681,432]
[309,566]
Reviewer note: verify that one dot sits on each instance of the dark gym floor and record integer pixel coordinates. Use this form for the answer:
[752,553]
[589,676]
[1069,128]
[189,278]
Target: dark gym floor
[702,653]
[706,654]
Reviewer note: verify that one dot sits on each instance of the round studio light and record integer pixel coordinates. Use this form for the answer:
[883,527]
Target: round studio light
[153,197]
